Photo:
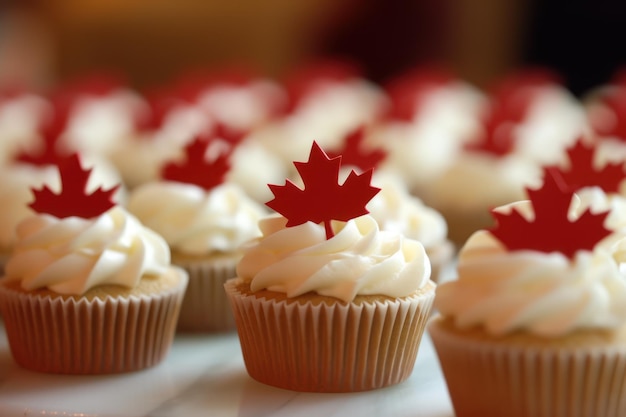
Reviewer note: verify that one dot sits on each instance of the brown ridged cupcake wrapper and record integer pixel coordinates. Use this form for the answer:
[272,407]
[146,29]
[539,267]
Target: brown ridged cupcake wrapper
[205,305]
[494,380]
[329,347]
[68,336]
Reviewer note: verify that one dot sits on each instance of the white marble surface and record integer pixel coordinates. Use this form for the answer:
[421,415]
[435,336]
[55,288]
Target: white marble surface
[205,376]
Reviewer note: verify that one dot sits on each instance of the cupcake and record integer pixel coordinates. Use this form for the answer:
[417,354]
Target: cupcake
[324,300]
[327,100]
[101,112]
[529,122]
[205,221]
[88,289]
[21,114]
[432,114]
[535,324]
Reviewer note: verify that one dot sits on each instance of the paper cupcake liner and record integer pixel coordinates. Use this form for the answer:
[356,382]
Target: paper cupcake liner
[492,380]
[68,336]
[205,305]
[332,347]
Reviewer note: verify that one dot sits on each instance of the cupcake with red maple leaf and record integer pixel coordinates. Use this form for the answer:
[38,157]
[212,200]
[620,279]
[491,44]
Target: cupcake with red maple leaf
[205,220]
[88,289]
[535,324]
[324,300]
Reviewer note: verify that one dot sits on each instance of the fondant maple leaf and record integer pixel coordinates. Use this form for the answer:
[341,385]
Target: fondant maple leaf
[73,199]
[196,169]
[551,230]
[354,154]
[583,173]
[323,199]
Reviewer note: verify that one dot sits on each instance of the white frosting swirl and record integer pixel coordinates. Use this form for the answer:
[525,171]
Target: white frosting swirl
[194,221]
[73,255]
[547,294]
[396,210]
[359,260]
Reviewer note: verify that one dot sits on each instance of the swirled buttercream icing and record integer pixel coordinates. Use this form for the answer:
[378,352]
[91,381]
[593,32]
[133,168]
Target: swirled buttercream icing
[547,294]
[73,255]
[359,260]
[396,210]
[194,221]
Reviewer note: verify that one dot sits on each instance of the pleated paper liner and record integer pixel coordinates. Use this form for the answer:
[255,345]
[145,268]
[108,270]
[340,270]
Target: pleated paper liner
[320,344]
[91,335]
[532,378]
[205,306]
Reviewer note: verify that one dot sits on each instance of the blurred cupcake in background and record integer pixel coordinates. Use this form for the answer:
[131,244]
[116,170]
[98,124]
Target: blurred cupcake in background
[22,113]
[529,122]
[101,111]
[432,114]
[204,220]
[327,100]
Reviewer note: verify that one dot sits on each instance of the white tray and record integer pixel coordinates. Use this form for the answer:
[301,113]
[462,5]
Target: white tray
[205,376]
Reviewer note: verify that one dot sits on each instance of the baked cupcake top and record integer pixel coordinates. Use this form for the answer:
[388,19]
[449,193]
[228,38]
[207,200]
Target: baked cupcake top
[79,241]
[193,209]
[549,267]
[325,242]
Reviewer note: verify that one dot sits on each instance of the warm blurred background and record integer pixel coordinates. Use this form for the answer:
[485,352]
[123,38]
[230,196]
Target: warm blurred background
[151,41]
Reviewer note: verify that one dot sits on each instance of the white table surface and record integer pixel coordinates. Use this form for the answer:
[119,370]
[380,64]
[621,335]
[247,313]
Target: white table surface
[204,375]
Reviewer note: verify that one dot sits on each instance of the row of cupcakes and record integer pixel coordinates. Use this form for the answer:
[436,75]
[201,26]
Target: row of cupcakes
[325,300]
[438,134]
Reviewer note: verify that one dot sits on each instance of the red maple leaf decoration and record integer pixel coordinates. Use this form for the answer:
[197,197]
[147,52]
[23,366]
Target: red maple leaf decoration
[551,230]
[73,199]
[353,153]
[583,173]
[323,199]
[196,169]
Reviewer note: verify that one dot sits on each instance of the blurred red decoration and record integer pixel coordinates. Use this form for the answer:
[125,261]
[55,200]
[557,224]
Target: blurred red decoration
[354,154]
[196,169]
